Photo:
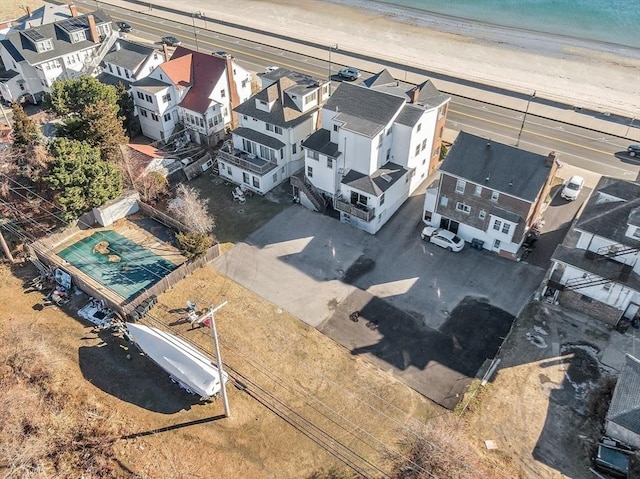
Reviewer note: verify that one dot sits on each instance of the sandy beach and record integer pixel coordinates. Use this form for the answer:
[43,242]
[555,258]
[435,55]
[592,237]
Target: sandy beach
[601,76]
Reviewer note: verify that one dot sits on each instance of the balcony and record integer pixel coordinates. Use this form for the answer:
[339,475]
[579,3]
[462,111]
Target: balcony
[244,160]
[359,211]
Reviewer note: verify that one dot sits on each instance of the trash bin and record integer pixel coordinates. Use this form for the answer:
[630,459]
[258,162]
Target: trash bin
[477,243]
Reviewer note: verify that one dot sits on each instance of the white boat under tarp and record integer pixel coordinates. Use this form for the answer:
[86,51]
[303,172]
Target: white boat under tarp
[184,363]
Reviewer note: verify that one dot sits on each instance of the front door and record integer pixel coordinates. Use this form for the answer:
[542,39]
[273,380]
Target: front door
[447,224]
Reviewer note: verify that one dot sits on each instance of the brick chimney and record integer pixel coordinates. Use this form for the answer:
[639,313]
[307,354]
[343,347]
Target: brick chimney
[165,51]
[233,92]
[73,9]
[93,30]
[551,159]
[415,94]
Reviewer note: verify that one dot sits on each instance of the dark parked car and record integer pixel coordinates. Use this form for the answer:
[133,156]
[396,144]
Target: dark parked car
[171,41]
[124,27]
[633,150]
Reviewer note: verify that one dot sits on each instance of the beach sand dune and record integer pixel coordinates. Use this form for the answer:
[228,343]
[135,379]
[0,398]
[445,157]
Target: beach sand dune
[588,74]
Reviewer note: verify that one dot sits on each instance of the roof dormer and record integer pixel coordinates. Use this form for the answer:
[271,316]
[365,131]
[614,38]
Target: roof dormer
[38,41]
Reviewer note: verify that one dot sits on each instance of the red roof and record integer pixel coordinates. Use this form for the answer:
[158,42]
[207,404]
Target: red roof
[141,156]
[199,70]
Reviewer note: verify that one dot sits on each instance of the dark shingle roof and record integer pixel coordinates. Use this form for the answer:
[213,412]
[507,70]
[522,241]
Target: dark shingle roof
[258,137]
[284,112]
[410,115]
[109,79]
[21,48]
[151,84]
[613,204]
[624,409]
[505,215]
[497,166]
[320,141]
[381,78]
[376,183]
[428,95]
[363,110]
[128,54]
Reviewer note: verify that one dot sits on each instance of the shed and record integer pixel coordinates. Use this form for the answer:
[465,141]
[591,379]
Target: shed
[125,205]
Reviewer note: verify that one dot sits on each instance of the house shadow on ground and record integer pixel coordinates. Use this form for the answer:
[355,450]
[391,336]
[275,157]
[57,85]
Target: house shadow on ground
[438,363]
[121,370]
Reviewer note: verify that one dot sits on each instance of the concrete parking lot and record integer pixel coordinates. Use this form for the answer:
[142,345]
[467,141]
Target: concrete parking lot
[430,316]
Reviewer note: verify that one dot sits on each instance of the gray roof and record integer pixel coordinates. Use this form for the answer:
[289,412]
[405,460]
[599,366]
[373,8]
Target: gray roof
[320,141]
[363,110]
[284,112]
[496,166]
[258,137]
[613,204]
[128,54]
[376,183]
[410,115]
[109,79]
[151,84]
[601,266]
[624,409]
[48,13]
[428,95]
[22,49]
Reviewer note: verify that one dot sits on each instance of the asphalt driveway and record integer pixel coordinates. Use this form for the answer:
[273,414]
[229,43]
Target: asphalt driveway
[431,316]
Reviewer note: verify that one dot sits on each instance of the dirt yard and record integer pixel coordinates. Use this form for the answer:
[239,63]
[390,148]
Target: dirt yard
[10,9]
[537,408]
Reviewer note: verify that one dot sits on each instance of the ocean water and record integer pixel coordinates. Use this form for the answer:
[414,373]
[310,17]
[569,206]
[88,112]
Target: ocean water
[611,21]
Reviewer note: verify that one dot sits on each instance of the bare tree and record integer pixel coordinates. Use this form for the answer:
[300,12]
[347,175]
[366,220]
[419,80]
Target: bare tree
[188,208]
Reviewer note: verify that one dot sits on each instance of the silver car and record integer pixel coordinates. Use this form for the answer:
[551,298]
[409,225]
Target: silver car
[443,238]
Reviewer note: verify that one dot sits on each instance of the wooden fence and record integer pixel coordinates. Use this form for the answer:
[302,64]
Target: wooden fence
[161,217]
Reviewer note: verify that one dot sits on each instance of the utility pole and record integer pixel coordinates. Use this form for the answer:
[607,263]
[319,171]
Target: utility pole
[331,47]
[524,118]
[5,247]
[195,33]
[214,333]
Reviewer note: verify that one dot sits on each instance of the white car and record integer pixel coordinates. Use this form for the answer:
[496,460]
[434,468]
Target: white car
[443,238]
[271,69]
[572,188]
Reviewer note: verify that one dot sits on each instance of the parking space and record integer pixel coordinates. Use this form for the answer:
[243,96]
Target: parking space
[431,316]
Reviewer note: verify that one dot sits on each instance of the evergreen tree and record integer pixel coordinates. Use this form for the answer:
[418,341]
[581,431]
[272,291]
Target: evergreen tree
[80,179]
[72,96]
[25,130]
[127,109]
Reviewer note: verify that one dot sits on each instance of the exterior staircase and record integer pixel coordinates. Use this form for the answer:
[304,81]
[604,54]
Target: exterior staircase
[91,66]
[298,180]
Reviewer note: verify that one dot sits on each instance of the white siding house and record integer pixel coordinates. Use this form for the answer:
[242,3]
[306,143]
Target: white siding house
[596,268]
[377,143]
[36,57]
[265,149]
[194,92]
[128,62]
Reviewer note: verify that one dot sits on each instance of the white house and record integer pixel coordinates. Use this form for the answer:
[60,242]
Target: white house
[194,92]
[266,147]
[596,268]
[128,62]
[37,56]
[377,143]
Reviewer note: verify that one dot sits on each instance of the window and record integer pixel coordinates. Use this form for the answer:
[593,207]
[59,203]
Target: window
[312,97]
[223,93]
[336,127]
[229,170]
[167,117]
[244,117]
[444,201]
[482,214]
[210,122]
[636,233]
[419,127]
[388,131]
[244,83]
[382,199]
[380,139]
[417,150]
[277,130]
[606,286]
[388,153]
[314,155]
[424,145]
[166,98]
[268,126]
[144,113]
[478,190]
[309,172]
[111,70]
[274,178]
[463,208]
[329,162]
[495,195]
[256,182]
[245,177]
[358,199]
[126,73]
[505,228]
[294,149]
[460,184]
[496,244]
[154,117]
[224,111]
[148,97]
[118,70]
[497,224]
